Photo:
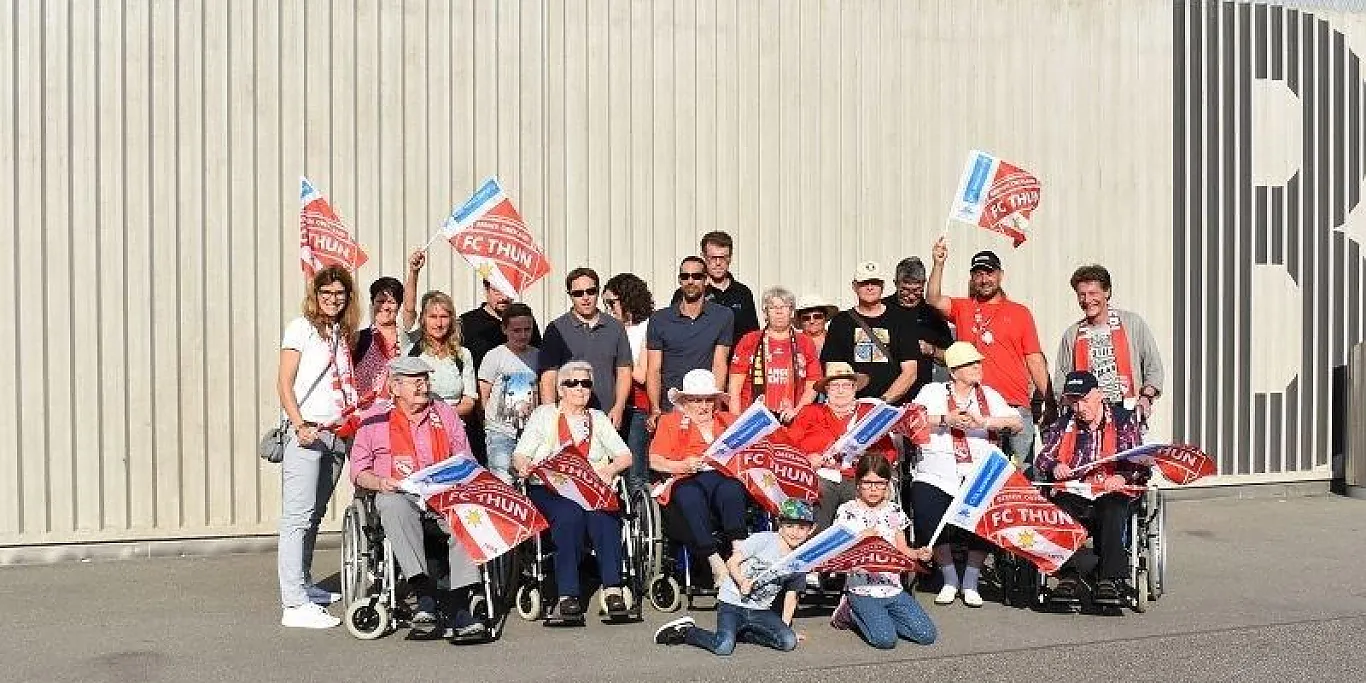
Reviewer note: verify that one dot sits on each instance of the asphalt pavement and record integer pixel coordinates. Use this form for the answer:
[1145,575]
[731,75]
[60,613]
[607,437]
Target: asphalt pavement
[1258,590]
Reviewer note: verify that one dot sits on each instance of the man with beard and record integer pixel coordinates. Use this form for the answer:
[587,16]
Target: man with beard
[481,329]
[876,339]
[691,334]
[1004,332]
[931,328]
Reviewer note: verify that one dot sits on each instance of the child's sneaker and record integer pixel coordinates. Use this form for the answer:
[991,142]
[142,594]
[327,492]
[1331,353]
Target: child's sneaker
[843,617]
[673,633]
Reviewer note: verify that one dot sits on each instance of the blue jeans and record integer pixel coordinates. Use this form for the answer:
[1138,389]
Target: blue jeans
[734,623]
[882,620]
[637,439]
[500,448]
[570,527]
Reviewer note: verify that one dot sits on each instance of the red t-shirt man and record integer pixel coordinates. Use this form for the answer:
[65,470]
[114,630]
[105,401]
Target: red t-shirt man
[1003,331]
[785,369]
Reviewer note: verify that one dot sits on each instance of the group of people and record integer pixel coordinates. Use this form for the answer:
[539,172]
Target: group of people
[641,393]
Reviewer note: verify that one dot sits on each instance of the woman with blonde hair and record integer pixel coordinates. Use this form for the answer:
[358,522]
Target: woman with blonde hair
[318,394]
[439,343]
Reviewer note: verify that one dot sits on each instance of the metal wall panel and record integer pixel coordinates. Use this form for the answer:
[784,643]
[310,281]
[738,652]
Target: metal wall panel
[152,150]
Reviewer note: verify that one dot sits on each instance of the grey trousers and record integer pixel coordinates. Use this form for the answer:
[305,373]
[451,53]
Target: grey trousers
[308,475]
[401,515]
[1021,444]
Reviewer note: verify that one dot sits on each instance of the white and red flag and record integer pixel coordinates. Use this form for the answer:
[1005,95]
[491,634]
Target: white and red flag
[486,515]
[872,554]
[862,433]
[489,232]
[914,424]
[998,504]
[323,240]
[996,195]
[772,473]
[568,474]
[1179,463]
[751,427]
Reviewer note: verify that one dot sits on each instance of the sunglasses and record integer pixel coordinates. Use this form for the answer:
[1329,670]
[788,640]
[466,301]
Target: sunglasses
[812,316]
[572,383]
[609,302]
[576,293]
[695,277]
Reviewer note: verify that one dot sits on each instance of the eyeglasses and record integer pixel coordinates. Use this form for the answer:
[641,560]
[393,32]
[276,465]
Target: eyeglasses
[333,294]
[572,383]
[695,277]
[609,302]
[808,317]
[873,483]
[576,293]
[417,380]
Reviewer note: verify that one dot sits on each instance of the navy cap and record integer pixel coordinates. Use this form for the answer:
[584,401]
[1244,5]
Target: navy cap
[1079,383]
[985,260]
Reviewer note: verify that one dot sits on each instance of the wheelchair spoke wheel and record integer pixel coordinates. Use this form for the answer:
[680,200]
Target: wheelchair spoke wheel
[1157,546]
[355,555]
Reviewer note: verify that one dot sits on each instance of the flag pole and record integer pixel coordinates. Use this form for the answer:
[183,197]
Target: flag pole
[432,241]
[945,231]
[939,529]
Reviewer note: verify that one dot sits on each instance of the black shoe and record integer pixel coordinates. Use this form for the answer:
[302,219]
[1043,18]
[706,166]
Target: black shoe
[616,605]
[569,608]
[674,632]
[463,626]
[1108,592]
[1067,589]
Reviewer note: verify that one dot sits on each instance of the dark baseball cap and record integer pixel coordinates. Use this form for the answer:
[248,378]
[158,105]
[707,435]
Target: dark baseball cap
[1079,383]
[985,259]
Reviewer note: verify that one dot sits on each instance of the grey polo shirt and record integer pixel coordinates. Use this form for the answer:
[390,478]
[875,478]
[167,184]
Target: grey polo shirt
[688,343]
[603,344]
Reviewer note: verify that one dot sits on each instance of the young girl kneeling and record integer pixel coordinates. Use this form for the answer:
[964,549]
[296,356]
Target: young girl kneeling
[875,604]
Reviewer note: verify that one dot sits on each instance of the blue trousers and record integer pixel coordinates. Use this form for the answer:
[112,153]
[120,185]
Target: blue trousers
[734,623]
[882,620]
[571,527]
[637,439]
[706,493]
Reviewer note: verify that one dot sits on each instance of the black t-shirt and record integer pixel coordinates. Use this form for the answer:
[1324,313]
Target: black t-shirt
[846,341]
[930,326]
[738,298]
[482,332]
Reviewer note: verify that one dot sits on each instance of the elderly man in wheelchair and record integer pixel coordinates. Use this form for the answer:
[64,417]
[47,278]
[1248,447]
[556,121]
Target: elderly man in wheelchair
[1088,430]
[416,431]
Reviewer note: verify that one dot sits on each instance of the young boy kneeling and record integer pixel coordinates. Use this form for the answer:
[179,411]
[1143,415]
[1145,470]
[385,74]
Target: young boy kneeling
[744,610]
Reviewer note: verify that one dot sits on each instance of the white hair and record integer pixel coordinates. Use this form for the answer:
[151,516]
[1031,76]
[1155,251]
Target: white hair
[780,293]
[575,366]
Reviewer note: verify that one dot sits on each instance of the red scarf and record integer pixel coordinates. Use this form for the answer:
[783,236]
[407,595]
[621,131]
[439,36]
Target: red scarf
[1067,450]
[567,441]
[961,453]
[1081,352]
[343,388]
[758,369]
[404,458]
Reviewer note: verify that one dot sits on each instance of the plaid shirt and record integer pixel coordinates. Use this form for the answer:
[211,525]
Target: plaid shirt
[1088,448]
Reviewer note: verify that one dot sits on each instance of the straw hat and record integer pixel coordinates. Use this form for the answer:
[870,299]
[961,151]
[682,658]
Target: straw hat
[699,382]
[961,353]
[841,370]
[809,302]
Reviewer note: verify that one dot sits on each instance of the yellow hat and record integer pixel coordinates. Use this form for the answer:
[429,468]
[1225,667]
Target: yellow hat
[961,353]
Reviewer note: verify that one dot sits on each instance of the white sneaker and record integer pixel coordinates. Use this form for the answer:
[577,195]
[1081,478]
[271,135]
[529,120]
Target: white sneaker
[971,598]
[946,595]
[308,615]
[321,596]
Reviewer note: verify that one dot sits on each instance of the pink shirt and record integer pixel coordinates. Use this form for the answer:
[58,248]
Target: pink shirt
[371,448]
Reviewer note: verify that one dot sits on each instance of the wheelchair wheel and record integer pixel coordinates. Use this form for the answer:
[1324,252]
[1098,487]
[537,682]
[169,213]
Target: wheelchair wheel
[528,602]
[626,594]
[649,535]
[480,609]
[1157,544]
[354,570]
[368,619]
[1140,603]
[665,594]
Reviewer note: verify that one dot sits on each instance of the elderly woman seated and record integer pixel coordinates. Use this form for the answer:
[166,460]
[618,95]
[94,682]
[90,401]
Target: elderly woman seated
[701,494]
[572,425]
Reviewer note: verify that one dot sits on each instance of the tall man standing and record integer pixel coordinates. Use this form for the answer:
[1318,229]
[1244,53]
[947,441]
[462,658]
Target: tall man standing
[877,339]
[481,329]
[584,333]
[722,288]
[1004,332]
[690,334]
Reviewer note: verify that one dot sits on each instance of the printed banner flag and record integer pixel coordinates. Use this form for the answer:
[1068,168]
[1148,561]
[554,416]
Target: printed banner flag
[872,554]
[824,546]
[998,504]
[751,427]
[914,424]
[1179,463]
[570,475]
[486,515]
[861,434]
[489,232]
[772,473]
[1089,490]
[323,240]
[995,195]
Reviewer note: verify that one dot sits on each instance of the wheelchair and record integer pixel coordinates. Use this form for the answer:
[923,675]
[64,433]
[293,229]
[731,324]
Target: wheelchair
[1146,542]
[670,569]
[535,586]
[372,591]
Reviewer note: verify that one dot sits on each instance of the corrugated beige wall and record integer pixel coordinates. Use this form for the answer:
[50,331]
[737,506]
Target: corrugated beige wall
[150,155]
